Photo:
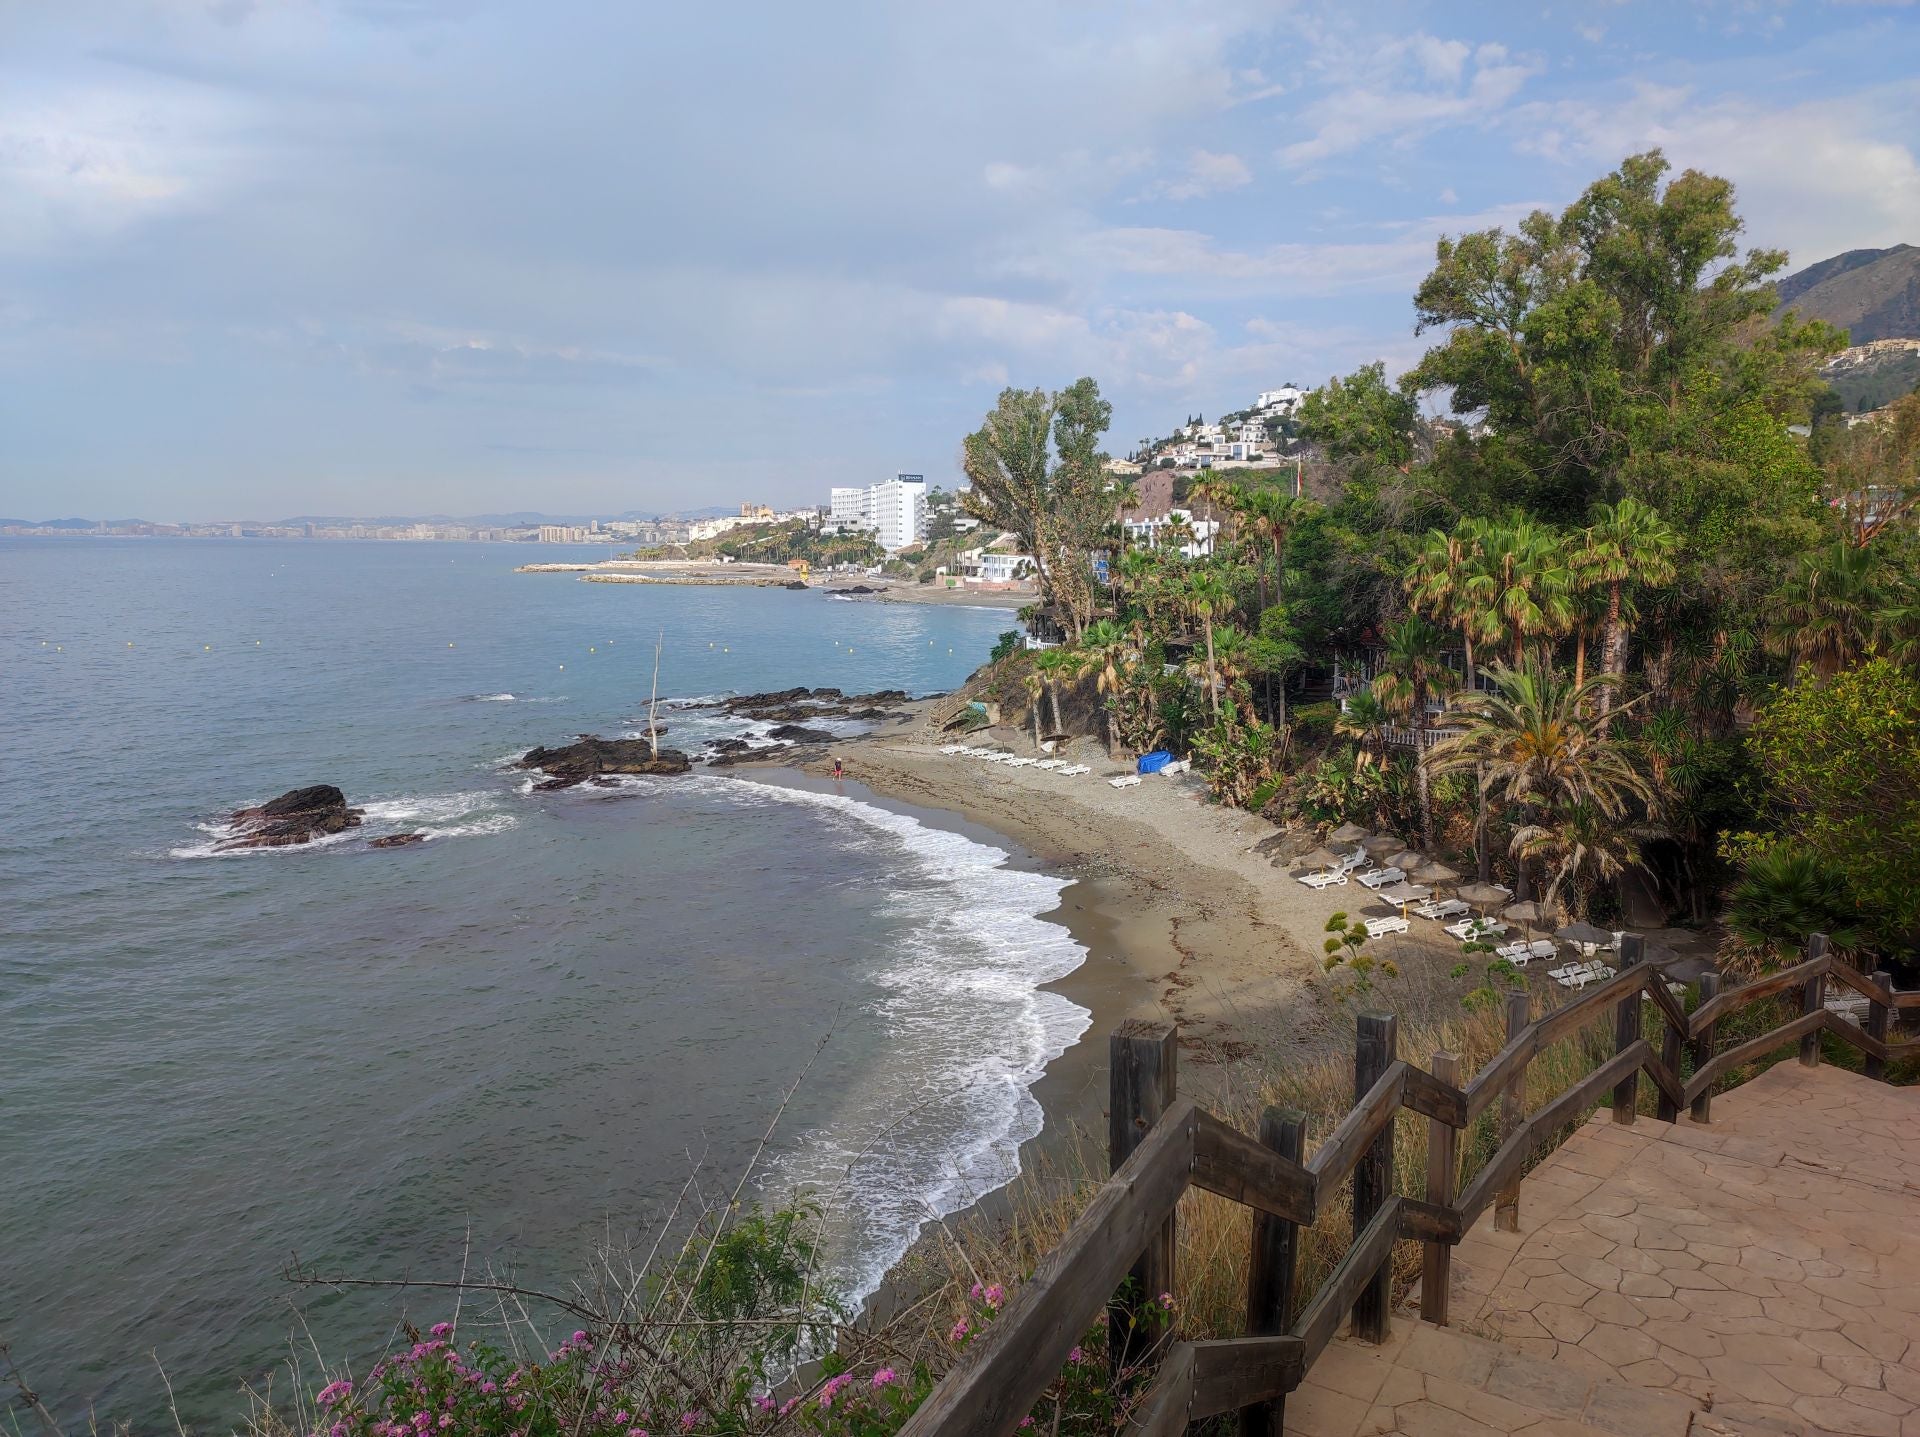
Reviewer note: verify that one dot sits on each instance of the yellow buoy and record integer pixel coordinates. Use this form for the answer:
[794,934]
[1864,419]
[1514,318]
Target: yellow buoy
[563,666]
[591,649]
[256,643]
[207,647]
[449,645]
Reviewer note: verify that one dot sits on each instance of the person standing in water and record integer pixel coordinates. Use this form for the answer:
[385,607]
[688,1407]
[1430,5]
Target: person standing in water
[838,773]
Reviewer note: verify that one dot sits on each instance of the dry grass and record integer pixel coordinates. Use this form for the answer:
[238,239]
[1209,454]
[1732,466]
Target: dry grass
[1214,1233]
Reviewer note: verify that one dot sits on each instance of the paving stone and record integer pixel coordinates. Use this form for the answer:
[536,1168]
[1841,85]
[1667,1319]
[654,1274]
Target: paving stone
[1638,1412]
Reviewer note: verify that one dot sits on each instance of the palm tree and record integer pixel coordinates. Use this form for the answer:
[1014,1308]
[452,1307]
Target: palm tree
[1626,546]
[1108,650]
[1269,516]
[1825,615]
[1035,681]
[1538,751]
[1434,584]
[1055,665]
[1416,664]
[1208,594]
[1518,587]
[1366,719]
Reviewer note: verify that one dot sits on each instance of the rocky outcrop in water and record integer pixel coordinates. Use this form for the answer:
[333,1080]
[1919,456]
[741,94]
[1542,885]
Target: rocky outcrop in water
[397,840]
[790,705]
[799,733]
[590,756]
[299,815]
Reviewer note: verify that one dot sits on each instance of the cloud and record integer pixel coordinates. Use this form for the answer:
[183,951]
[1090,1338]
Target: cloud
[1406,89]
[1205,173]
[1814,177]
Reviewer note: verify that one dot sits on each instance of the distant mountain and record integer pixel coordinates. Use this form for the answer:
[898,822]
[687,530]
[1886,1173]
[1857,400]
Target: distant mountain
[1870,293]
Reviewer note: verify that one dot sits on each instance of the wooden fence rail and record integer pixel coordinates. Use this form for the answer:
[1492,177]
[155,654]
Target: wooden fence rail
[1120,1252]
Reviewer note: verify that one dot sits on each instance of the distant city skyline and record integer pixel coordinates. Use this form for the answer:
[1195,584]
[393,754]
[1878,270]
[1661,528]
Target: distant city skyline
[437,256]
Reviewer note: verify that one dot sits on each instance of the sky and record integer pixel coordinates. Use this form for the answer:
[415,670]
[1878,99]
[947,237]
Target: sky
[273,257]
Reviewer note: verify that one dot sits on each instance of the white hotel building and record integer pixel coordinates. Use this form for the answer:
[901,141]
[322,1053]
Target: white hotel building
[894,512]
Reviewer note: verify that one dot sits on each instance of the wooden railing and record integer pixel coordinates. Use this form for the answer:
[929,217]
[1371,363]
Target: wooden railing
[1120,1251]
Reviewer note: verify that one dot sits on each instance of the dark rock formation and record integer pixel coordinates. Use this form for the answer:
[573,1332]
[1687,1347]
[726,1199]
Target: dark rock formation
[795,733]
[299,815]
[590,756]
[397,840]
[854,589]
[795,584]
[748,754]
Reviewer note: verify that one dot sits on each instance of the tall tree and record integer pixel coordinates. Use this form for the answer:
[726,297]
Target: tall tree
[1626,546]
[1209,596]
[1825,615]
[1416,665]
[1036,469]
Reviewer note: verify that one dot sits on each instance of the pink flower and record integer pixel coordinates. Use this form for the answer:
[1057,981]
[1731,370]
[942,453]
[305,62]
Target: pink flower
[579,1339]
[636,1432]
[689,1420]
[1076,1356]
[1166,1301]
[621,1415]
[959,1331]
[975,1293]
[883,1377]
[994,1296]
[765,1404]
[833,1388]
[446,1419]
[442,1329]
[334,1391]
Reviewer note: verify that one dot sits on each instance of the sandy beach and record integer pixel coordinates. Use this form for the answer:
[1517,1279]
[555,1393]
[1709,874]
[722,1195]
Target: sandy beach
[885,589]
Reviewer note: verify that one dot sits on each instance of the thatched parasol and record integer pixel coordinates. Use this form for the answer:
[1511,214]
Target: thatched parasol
[1406,860]
[1319,858]
[1483,895]
[1405,893]
[1585,934]
[1348,833]
[1529,913]
[1381,844]
[1434,873]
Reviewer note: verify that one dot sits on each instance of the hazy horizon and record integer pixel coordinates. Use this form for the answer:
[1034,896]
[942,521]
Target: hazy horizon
[446,256]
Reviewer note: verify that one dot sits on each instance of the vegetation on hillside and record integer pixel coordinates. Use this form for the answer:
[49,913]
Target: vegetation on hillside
[776,544]
[1608,607]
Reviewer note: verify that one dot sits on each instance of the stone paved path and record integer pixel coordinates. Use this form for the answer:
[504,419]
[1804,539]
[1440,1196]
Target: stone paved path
[1756,1275]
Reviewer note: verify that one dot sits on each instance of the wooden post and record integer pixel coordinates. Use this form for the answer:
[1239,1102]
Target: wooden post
[1276,1250]
[1144,1077]
[1877,1014]
[1436,1258]
[1627,1027]
[1702,1109]
[1375,1042]
[1672,1044]
[1813,997]
[1513,1102]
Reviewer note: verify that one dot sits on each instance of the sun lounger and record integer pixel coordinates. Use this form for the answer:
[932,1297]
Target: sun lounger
[1332,878]
[1380,927]
[1356,859]
[1022,762]
[1051,763]
[1515,953]
[1073,770]
[1126,780]
[1381,877]
[1441,908]
[1472,930]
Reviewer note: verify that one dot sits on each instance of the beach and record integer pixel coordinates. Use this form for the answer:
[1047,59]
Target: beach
[881,588]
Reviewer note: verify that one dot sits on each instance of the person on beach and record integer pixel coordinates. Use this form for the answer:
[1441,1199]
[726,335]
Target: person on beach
[837,771]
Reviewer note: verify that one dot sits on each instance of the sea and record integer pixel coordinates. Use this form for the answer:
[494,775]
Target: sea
[562,1020]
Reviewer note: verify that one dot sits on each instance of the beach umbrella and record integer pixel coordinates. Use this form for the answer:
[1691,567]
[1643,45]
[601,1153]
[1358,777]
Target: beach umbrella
[1528,913]
[1585,934]
[1406,859]
[1381,844]
[1434,873]
[1319,858]
[1405,893]
[1483,895]
[1348,833]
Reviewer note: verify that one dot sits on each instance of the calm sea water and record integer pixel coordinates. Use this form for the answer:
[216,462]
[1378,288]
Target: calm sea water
[513,1040]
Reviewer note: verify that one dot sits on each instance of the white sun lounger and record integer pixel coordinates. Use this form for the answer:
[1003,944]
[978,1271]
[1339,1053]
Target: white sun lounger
[1381,877]
[1074,770]
[1441,908]
[1126,780]
[1471,930]
[1380,927]
[1050,763]
[1022,762]
[1332,878]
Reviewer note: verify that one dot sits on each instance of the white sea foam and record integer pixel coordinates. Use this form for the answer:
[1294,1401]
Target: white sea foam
[436,815]
[965,1015]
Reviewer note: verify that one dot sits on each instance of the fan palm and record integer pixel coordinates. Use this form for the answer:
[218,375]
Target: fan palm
[1518,587]
[1108,651]
[1269,516]
[1365,719]
[1627,545]
[1416,664]
[1541,756]
[1209,595]
[1825,615]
